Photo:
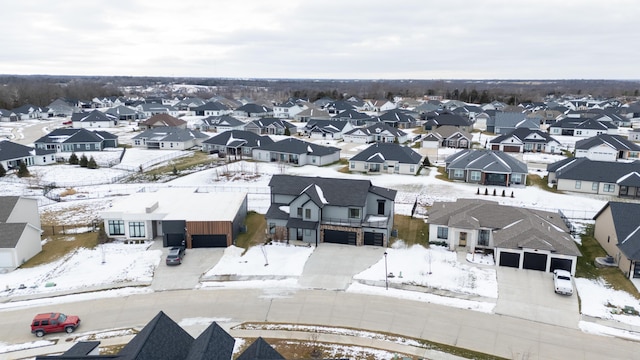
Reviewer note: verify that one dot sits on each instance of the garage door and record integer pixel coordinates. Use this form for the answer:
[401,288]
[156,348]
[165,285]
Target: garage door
[534,261]
[208,241]
[173,240]
[496,179]
[563,264]
[508,148]
[509,259]
[340,237]
[495,147]
[375,239]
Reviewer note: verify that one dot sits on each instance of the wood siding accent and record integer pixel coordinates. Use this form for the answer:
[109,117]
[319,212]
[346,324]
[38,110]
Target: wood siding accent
[210,228]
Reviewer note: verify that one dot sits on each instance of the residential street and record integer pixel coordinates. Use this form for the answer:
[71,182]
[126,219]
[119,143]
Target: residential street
[504,336]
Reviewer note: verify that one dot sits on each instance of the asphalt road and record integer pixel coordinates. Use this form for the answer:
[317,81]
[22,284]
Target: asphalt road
[505,336]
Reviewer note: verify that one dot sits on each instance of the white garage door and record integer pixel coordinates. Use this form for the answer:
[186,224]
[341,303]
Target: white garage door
[6,259]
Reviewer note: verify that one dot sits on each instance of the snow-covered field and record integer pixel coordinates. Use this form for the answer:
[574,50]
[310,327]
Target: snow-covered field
[135,264]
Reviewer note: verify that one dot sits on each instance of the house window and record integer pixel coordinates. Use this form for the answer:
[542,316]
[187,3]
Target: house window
[170,144]
[458,173]
[307,232]
[116,227]
[483,237]
[272,228]
[307,213]
[299,212]
[578,184]
[366,166]
[87,146]
[354,213]
[594,186]
[609,188]
[475,175]
[352,165]
[136,229]
[516,178]
[443,232]
[412,169]
[380,207]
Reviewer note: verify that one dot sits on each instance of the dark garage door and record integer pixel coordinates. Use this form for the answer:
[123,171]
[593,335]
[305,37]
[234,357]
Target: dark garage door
[508,148]
[173,240]
[510,259]
[371,238]
[563,264]
[208,241]
[534,261]
[340,237]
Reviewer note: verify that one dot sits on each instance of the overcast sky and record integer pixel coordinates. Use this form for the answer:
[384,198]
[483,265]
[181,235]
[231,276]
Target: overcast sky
[413,39]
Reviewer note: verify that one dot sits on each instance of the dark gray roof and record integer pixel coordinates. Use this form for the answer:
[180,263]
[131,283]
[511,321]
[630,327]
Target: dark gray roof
[330,126]
[526,136]
[252,108]
[75,136]
[448,118]
[251,139]
[300,223]
[627,226]
[351,114]
[260,350]
[589,170]
[7,203]
[339,192]
[95,115]
[388,151]
[397,116]
[222,120]
[161,338]
[580,123]
[614,141]
[297,146]
[213,344]
[11,233]
[485,160]
[170,133]
[11,151]
[378,128]
[211,105]
[275,122]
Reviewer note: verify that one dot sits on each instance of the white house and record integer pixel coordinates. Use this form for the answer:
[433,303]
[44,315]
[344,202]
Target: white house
[19,231]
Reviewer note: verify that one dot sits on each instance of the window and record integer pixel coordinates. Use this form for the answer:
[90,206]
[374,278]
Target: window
[475,176]
[272,228]
[578,184]
[516,178]
[483,237]
[307,213]
[380,207]
[87,146]
[609,188]
[354,213]
[307,232]
[412,169]
[136,229]
[443,232]
[458,173]
[116,227]
[352,165]
[299,212]
[594,186]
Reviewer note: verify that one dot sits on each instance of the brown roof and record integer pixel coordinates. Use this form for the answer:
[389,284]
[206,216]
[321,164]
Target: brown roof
[163,120]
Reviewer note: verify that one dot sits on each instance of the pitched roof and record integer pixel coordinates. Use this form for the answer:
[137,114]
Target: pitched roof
[249,138]
[485,160]
[616,142]
[213,344]
[448,118]
[590,170]
[336,191]
[397,116]
[170,133]
[627,226]
[513,227]
[352,114]
[270,121]
[525,135]
[222,120]
[253,108]
[260,350]
[161,338]
[296,146]
[163,120]
[73,135]
[330,126]
[10,150]
[381,152]
[211,105]
[447,131]
[95,115]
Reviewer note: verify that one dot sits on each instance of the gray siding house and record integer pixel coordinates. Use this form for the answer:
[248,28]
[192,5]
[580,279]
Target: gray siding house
[330,210]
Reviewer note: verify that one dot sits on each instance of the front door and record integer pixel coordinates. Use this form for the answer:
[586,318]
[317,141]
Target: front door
[462,240]
[299,234]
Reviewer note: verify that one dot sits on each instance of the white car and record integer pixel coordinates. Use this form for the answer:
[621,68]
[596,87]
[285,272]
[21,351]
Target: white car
[562,282]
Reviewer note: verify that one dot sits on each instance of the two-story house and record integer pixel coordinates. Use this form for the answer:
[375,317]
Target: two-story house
[330,210]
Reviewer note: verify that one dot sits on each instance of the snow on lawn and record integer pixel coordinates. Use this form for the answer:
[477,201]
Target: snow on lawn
[275,259]
[598,299]
[436,268]
[71,175]
[108,264]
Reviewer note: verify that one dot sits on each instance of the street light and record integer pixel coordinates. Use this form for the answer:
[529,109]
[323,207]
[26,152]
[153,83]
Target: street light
[386,274]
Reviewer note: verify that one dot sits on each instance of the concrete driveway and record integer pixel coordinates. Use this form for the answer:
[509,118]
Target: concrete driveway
[332,266]
[186,275]
[529,294]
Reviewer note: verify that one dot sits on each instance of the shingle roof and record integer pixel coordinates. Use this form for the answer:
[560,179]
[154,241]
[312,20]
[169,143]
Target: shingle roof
[339,192]
[251,139]
[10,150]
[222,120]
[163,120]
[589,170]
[296,146]
[485,160]
[95,115]
[170,133]
[213,344]
[616,142]
[161,338]
[388,151]
[525,135]
[260,350]
[627,226]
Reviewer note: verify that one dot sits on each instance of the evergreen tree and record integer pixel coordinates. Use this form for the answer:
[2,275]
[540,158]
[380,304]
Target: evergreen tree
[3,171]
[426,162]
[22,170]
[84,161]
[92,163]
[287,132]
[73,159]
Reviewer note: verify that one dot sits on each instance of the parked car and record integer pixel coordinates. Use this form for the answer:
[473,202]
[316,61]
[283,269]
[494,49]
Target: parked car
[54,322]
[175,255]
[562,282]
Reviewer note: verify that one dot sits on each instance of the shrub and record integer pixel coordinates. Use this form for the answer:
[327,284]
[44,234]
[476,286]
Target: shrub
[3,171]
[84,162]
[73,159]
[92,163]
[23,171]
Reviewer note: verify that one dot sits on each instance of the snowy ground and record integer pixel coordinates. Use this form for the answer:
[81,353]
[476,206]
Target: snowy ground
[137,263]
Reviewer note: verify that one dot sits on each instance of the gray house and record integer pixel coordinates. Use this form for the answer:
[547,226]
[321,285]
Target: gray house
[486,167]
[605,147]
[317,210]
[386,158]
[235,143]
[76,140]
[169,138]
[518,237]
[296,152]
[506,122]
[616,229]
